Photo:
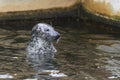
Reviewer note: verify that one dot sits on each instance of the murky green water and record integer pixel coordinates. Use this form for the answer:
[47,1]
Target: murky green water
[79,54]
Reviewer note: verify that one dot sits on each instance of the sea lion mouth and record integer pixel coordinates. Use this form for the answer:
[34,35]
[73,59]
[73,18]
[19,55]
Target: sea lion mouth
[58,40]
[57,37]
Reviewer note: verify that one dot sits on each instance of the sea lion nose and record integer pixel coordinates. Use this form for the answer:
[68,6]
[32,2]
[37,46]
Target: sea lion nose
[57,37]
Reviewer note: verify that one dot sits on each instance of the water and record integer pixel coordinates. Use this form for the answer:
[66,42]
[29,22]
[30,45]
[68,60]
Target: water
[80,55]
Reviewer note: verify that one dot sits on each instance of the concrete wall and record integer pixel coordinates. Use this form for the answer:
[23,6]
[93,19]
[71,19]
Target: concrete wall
[22,5]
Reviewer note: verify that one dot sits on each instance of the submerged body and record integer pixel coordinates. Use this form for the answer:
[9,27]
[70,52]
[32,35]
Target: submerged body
[40,49]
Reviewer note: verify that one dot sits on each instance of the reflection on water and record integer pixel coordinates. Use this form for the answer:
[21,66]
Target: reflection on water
[78,55]
[6,76]
[113,64]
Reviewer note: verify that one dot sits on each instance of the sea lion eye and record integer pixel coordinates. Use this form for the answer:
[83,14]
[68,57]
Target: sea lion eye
[47,30]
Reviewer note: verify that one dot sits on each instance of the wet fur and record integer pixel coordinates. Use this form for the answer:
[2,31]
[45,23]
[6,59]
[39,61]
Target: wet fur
[40,48]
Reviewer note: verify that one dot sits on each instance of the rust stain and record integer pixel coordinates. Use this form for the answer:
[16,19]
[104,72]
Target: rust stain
[98,7]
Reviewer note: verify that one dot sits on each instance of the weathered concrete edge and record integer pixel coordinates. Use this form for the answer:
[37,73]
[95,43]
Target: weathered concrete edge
[71,11]
[74,11]
[99,18]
